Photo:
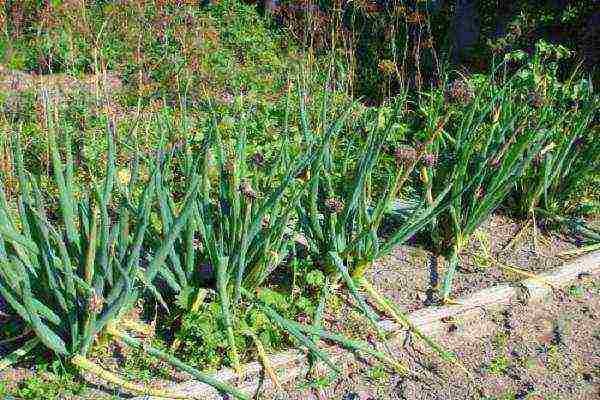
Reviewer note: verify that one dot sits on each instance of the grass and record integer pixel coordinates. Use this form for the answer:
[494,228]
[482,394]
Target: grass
[238,192]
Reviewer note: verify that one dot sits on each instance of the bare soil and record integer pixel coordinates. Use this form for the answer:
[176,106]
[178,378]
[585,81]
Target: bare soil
[410,275]
[540,351]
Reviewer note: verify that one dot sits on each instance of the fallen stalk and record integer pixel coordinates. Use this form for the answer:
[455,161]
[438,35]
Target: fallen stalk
[399,317]
[84,364]
[201,376]
[264,359]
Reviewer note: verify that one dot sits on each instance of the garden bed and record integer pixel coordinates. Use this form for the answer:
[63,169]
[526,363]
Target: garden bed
[476,314]
[486,295]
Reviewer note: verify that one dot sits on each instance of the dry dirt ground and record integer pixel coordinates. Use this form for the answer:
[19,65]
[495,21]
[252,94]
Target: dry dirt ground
[541,351]
[537,351]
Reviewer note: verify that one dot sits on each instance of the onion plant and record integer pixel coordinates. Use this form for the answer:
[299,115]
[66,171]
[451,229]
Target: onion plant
[571,153]
[240,230]
[486,145]
[73,279]
[236,235]
[342,211]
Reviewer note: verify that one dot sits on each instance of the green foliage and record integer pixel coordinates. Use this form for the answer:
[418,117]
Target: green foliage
[565,111]
[489,139]
[165,50]
[241,216]
[498,365]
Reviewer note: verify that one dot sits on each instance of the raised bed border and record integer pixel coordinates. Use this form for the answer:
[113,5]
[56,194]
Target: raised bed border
[291,364]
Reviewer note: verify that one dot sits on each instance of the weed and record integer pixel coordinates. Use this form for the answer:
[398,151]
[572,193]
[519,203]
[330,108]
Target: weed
[577,291]
[498,365]
[378,374]
[500,340]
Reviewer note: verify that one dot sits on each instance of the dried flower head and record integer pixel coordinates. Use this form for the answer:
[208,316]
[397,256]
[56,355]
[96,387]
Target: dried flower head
[258,159]
[579,142]
[123,176]
[430,160]
[536,100]
[96,303]
[496,114]
[460,91]
[405,154]
[574,105]
[304,175]
[265,222]
[480,193]
[247,190]
[387,67]
[334,205]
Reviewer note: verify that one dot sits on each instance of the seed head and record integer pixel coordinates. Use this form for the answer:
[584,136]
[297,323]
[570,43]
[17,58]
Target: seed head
[258,159]
[536,100]
[96,303]
[460,91]
[405,155]
[247,190]
[334,205]
[430,160]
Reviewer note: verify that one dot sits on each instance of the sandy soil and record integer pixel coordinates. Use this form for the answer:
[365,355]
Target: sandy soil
[410,275]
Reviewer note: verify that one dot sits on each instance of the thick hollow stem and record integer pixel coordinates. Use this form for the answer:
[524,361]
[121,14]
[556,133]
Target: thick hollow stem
[86,365]
[452,264]
[226,311]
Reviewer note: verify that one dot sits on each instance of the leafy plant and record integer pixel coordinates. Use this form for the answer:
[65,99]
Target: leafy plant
[242,220]
[565,111]
[342,212]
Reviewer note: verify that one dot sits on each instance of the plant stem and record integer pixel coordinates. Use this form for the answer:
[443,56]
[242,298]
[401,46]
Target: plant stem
[264,358]
[226,312]
[201,376]
[452,264]
[399,317]
[17,354]
[88,366]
